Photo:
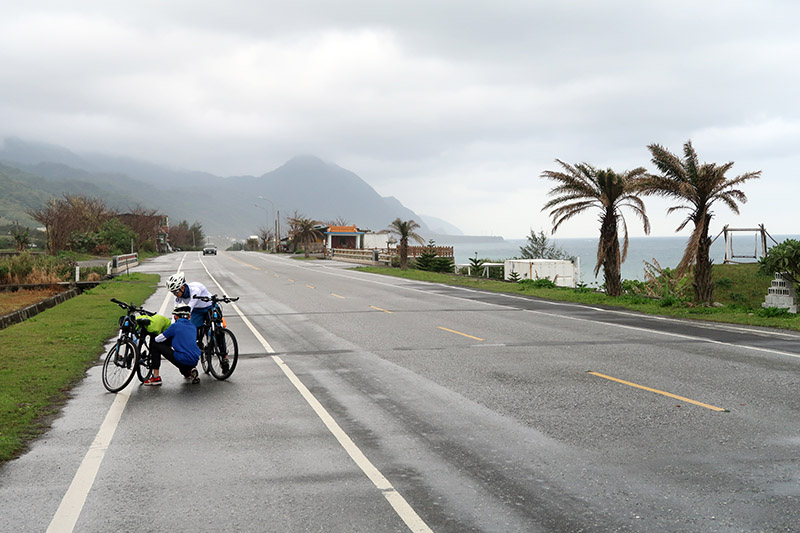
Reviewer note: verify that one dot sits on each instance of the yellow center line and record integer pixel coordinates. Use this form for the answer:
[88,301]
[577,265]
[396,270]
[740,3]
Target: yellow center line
[337,295]
[242,262]
[291,280]
[462,334]
[310,286]
[379,309]
[277,276]
[681,398]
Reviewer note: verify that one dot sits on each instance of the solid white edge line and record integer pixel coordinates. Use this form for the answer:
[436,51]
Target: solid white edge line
[406,513]
[72,503]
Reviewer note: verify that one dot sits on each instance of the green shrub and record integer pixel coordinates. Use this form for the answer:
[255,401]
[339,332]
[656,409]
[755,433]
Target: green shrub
[21,266]
[737,297]
[541,283]
[27,268]
[773,312]
[724,283]
[582,287]
[783,257]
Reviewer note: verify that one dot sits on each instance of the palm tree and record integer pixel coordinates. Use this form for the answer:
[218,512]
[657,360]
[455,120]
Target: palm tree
[698,186]
[405,229]
[582,187]
[304,231]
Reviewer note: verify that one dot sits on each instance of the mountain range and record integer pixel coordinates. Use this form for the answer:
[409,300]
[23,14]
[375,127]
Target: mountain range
[227,207]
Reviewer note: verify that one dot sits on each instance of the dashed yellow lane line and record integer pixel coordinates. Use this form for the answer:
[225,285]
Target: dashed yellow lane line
[379,309]
[290,280]
[337,295]
[277,276]
[681,398]
[462,334]
[310,286]
[242,262]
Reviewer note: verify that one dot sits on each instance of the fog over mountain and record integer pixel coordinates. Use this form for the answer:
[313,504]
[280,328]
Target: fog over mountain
[232,206]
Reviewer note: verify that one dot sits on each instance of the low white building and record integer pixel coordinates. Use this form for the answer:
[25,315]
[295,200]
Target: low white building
[561,272]
[381,241]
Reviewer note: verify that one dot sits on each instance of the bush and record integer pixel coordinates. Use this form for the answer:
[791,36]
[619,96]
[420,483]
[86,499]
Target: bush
[541,283]
[430,262]
[724,283]
[773,312]
[783,257]
[27,268]
[582,287]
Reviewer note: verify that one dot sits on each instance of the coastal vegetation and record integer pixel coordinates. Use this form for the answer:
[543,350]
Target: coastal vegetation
[540,247]
[740,291]
[303,231]
[405,229]
[582,187]
[696,187]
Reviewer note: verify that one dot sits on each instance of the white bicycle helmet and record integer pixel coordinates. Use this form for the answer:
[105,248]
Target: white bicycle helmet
[176,281]
[182,311]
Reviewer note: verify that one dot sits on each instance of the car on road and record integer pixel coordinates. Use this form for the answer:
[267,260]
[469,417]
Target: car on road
[210,250]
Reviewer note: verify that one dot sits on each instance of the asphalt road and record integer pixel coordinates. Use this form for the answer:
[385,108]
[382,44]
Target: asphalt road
[371,404]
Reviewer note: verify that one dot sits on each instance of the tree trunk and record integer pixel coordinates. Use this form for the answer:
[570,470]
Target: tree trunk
[703,283]
[611,264]
[403,254]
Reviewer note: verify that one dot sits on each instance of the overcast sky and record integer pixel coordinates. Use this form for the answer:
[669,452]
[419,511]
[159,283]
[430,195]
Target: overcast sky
[453,107]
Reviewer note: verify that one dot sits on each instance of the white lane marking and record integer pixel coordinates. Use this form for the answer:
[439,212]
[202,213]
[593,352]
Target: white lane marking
[395,499]
[72,503]
[75,498]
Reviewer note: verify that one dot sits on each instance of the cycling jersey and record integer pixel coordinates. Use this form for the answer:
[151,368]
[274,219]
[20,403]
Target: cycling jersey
[157,323]
[191,290]
[184,341]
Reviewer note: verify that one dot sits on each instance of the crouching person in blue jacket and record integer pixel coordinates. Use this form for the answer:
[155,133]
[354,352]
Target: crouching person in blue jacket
[178,345]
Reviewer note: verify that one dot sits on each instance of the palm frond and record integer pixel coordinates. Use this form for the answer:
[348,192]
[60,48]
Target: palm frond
[624,253]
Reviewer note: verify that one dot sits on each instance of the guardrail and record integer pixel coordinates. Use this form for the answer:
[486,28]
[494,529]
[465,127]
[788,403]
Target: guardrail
[364,257]
[120,263]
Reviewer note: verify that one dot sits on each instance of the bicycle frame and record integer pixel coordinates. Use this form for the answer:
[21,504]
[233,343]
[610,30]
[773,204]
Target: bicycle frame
[130,353]
[218,343]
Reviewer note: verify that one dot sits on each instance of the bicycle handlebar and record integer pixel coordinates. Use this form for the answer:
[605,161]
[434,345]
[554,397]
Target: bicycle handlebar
[214,298]
[132,307]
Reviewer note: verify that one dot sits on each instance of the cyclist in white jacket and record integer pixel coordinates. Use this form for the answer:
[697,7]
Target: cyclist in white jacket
[184,295]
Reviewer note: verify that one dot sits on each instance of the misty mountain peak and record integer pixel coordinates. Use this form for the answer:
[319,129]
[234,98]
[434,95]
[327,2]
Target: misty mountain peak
[306,162]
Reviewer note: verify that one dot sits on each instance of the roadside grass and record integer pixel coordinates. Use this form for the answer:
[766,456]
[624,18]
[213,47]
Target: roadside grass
[739,288]
[43,357]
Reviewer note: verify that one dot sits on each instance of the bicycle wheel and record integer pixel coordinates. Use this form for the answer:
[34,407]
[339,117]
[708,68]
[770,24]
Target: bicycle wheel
[145,368]
[119,366]
[225,356]
[205,357]
[205,351]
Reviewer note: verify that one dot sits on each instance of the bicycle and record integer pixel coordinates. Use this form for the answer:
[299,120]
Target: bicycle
[220,350]
[131,353]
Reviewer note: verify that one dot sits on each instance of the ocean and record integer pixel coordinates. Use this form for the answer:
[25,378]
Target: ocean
[666,250]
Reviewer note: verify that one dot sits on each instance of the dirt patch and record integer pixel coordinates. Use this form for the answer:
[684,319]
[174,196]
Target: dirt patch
[13,301]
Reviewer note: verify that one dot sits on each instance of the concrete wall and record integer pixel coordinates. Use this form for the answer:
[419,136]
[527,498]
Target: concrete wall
[560,272]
